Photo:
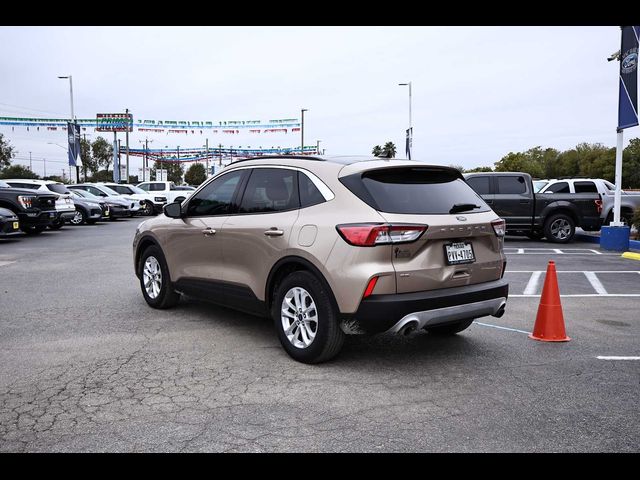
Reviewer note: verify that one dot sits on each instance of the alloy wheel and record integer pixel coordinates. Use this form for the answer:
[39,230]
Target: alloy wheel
[152,277]
[299,317]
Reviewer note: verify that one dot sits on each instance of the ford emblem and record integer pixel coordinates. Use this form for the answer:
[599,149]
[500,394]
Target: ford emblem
[462,219]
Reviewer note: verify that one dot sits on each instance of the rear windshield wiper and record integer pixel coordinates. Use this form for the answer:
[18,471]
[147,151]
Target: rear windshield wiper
[463,207]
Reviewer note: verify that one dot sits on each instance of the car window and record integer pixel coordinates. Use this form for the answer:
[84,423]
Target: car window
[57,188]
[144,186]
[610,186]
[30,186]
[121,189]
[480,184]
[309,193]
[96,191]
[511,184]
[156,187]
[539,185]
[585,187]
[270,190]
[560,187]
[413,190]
[215,198]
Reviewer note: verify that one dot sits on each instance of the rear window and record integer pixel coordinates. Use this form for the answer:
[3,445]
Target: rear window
[511,185]
[480,185]
[413,190]
[585,187]
[58,188]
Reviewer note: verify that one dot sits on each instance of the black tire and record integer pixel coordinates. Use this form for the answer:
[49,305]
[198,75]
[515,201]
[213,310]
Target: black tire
[82,220]
[450,328]
[167,297]
[559,228]
[535,235]
[328,339]
[33,229]
[57,225]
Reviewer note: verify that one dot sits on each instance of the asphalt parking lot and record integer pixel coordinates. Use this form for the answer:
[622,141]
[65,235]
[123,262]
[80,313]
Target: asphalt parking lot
[86,365]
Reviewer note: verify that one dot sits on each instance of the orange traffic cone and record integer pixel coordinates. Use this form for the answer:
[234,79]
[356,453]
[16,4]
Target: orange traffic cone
[549,325]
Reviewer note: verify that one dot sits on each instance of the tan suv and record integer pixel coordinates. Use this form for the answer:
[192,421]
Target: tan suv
[329,246]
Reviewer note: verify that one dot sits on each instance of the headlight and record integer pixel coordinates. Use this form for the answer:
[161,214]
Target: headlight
[26,201]
[160,199]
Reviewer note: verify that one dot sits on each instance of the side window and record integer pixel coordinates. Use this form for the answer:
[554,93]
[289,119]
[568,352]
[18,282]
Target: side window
[30,186]
[157,187]
[144,186]
[560,187]
[270,190]
[585,187]
[97,192]
[309,193]
[480,185]
[511,185]
[215,198]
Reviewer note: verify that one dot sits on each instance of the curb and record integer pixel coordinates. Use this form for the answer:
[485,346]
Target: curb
[633,244]
[631,255]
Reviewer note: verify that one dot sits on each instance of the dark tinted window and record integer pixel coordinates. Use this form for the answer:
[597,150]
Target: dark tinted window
[30,186]
[511,184]
[156,187]
[560,187]
[585,187]
[144,186]
[57,187]
[215,198]
[270,190]
[309,193]
[121,189]
[413,190]
[480,184]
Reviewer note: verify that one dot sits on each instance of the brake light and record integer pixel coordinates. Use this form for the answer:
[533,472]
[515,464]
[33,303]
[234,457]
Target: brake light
[499,226]
[371,234]
[598,205]
[26,201]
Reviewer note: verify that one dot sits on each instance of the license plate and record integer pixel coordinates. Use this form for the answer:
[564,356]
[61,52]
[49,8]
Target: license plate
[16,225]
[460,252]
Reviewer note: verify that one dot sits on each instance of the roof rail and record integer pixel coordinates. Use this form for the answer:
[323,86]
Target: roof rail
[286,157]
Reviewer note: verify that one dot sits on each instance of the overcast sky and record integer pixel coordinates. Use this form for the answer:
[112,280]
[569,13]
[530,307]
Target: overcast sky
[478,92]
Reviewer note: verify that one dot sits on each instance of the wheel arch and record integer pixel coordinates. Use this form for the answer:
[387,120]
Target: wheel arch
[144,243]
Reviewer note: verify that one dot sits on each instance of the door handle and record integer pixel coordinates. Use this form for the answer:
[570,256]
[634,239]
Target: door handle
[524,201]
[274,232]
[208,232]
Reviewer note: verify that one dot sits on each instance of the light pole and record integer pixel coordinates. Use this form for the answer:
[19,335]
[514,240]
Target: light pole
[302,132]
[73,121]
[318,147]
[145,158]
[410,133]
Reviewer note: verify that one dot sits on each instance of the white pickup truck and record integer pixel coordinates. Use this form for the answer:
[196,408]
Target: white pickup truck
[629,200]
[153,202]
[165,189]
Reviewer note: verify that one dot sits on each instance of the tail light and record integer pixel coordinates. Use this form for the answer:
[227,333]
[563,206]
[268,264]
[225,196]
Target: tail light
[598,205]
[372,234]
[26,201]
[499,226]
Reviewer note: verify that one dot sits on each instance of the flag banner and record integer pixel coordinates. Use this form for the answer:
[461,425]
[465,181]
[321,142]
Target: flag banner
[408,144]
[628,97]
[73,135]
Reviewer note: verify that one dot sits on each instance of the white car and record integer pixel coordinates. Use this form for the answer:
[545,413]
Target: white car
[153,203]
[165,189]
[64,203]
[100,190]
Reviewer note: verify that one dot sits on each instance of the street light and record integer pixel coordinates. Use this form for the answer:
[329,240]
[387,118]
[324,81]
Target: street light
[72,121]
[302,132]
[318,147]
[410,124]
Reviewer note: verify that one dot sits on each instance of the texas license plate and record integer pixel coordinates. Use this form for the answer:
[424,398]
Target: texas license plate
[460,252]
[16,225]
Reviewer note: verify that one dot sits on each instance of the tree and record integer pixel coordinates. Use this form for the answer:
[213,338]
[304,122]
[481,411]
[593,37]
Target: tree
[102,176]
[389,150]
[88,162]
[460,168]
[6,153]
[175,170]
[479,169]
[195,175]
[102,153]
[631,165]
[377,150]
[17,171]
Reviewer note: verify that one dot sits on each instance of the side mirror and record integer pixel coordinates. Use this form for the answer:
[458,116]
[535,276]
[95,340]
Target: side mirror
[173,210]
[180,199]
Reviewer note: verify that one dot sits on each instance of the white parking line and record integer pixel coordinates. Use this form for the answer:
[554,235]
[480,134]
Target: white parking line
[532,286]
[618,358]
[501,328]
[551,251]
[583,295]
[2,264]
[595,283]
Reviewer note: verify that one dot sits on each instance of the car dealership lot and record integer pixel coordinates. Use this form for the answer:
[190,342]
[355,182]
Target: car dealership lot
[86,365]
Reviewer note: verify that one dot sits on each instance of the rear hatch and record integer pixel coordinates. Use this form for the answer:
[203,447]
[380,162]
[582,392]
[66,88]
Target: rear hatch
[459,247]
[64,202]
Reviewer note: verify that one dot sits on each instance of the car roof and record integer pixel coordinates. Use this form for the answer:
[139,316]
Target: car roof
[32,180]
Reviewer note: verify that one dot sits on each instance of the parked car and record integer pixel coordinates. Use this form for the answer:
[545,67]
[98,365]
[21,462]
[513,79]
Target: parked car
[64,202]
[153,203]
[9,223]
[165,189]
[134,206]
[629,201]
[536,215]
[87,210]
[35,210]
[330,246]
[113,208]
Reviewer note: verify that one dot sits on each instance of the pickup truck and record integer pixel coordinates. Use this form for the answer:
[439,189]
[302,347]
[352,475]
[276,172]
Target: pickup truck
[536,215]
[35,210]
[165,189]
[629,200]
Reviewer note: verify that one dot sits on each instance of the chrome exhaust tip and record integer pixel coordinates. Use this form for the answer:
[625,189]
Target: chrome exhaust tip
[500,311]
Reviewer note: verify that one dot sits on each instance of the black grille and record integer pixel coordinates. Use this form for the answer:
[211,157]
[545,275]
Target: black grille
[46,202]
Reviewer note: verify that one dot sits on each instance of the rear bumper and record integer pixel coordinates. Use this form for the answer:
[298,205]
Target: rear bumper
[67,215]
[42,218]
[380,313]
